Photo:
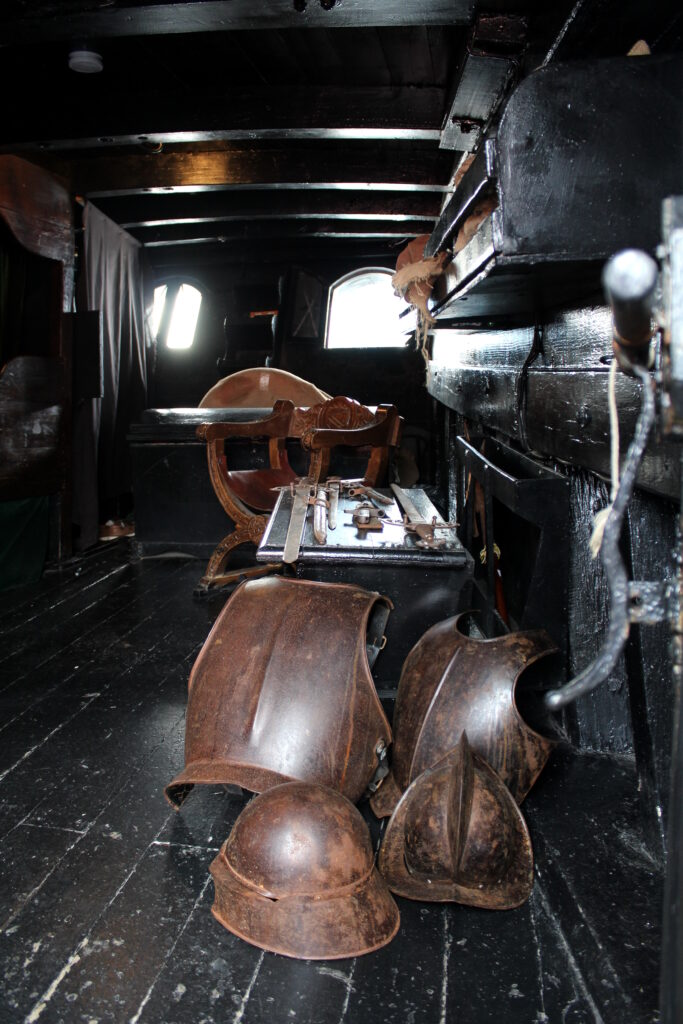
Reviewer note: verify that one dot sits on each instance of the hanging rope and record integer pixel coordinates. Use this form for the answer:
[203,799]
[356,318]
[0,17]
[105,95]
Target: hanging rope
[600,519]
[615,570]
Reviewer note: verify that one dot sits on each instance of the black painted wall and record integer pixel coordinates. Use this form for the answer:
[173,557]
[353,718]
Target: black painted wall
[476,375]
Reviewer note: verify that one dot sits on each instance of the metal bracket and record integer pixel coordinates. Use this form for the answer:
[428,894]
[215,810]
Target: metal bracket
[382,769]
[650,602]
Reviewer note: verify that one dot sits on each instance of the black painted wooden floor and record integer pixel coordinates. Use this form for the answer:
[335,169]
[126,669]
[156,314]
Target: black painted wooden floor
[105,894]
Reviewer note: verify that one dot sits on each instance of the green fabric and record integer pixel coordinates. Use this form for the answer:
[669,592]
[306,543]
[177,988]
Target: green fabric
[23,540]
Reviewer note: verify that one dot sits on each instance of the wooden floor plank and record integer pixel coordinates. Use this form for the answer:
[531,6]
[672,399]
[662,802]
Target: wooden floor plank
[58,583]
[14,636]
[105,896]
[77,767]
[206,818]
[81,886]
[108,649]
[407,972]
[98,608]
[27,857]
[607,890]
[563,990]
[106,642]
[208,976]
[131,939]
[69,777]
[303,990]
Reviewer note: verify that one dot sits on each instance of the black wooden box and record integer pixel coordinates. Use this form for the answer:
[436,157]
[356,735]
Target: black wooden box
[424,586]
[176,508]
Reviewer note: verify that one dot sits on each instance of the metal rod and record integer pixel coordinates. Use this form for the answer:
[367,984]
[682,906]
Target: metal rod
[630,280]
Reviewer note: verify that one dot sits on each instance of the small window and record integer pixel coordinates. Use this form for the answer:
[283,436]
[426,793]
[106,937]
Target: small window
[364,312]
[158,308]
[173,320]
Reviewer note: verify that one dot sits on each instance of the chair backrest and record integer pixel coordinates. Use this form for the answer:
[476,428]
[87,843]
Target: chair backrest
[340,421]
[260,387]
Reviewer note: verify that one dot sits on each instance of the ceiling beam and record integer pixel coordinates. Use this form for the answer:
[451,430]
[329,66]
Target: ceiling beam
[192,234]
[179,208]
[254,114]
[32,23]
[283,253]
[385,167]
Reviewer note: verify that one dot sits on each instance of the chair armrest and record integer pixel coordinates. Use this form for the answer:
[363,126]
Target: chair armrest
[385,431]
[275,425]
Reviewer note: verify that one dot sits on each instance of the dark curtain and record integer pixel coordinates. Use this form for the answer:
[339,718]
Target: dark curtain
[113,284]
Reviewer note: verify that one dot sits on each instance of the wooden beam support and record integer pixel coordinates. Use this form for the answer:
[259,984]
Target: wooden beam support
[282,252]
[147,211]
[85,20]
[192,234]
[491,63]
[406,166]
[483,83]
[385,114]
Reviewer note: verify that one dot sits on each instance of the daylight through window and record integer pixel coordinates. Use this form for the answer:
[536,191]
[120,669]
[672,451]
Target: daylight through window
[364,312]
[174,315]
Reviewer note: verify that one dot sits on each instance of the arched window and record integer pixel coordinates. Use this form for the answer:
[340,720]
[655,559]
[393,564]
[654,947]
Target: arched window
[174,315]
[364,312]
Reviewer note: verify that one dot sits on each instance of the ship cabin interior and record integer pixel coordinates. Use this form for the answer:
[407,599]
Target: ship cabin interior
[334,299]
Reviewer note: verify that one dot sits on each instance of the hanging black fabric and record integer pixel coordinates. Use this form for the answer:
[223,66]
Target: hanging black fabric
[114,284]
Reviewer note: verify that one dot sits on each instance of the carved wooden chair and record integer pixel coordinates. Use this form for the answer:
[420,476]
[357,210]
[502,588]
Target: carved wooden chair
[247,494]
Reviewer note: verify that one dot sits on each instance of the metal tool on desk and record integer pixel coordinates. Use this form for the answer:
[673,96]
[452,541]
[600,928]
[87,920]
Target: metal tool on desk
[333,486]
[414,522]
[366,516]
[320,510]
[357,489]
[302,492]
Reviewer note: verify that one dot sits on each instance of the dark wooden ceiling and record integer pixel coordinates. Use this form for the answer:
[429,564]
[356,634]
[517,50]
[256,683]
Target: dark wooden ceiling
[245,129]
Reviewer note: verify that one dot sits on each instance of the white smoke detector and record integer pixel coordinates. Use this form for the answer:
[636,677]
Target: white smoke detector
[87,62]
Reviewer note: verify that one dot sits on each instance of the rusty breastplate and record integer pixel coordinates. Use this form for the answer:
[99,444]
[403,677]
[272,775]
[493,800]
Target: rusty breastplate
[452,683]
[282,690]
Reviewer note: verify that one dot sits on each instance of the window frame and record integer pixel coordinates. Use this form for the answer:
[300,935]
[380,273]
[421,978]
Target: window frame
[173,285]
[359,272]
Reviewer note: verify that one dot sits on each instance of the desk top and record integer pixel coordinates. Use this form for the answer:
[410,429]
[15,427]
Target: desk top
[392,545]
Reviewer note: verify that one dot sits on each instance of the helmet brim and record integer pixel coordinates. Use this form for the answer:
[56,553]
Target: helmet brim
[328,927]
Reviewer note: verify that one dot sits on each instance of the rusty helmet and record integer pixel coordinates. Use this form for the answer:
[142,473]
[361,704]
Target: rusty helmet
[450,683]
[282,690]
[297,876]
[458,836]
